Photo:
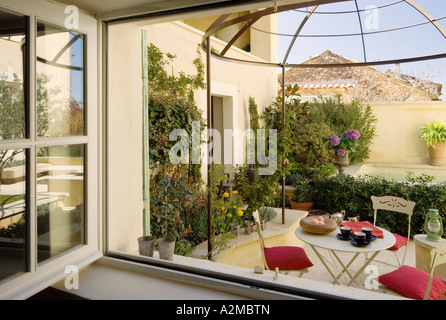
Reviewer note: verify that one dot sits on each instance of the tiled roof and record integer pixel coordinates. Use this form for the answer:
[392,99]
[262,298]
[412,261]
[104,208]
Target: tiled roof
[364,83]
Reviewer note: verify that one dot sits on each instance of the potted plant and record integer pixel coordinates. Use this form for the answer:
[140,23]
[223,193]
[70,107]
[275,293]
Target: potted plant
[434,133]
[303,195]
[170,224]
[266,214]
[260,194]
[229,204]
[167,197]
[342,145]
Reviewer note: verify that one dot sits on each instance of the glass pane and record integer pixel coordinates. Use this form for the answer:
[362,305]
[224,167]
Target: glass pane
[13,223]
[12,54]
[60,199]
[60,82]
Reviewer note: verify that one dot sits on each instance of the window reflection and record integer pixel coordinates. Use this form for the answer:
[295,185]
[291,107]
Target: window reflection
[60,199]
[12,54]
[60,82]
[13,222]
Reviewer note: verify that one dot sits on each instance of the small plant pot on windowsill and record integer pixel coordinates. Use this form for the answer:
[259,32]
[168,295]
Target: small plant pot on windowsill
[146,245]
[166,248]
[304,206]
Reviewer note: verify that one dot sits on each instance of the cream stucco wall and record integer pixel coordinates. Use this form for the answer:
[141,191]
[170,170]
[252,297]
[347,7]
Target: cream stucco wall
[125,137]
[398,128]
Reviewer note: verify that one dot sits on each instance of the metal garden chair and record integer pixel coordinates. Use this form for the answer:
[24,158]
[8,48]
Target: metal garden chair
[395,204]
[283,258]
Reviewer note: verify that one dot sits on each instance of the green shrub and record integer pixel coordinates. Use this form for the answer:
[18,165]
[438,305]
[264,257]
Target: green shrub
[307,142]
[342,117]
[343,192]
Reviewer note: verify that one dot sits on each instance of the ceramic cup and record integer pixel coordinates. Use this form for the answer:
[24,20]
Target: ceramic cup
[353,219]
[345,232]
[359,237]
[368,232]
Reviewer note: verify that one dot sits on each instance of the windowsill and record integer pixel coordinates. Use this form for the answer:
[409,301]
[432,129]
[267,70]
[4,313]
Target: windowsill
[115,278]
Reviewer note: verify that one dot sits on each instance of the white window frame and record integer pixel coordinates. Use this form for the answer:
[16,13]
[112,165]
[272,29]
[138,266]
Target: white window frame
[48,272]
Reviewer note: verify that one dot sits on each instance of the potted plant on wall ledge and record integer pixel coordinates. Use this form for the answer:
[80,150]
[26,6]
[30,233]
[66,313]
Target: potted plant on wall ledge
[434,133]
[303,195]
[342,145]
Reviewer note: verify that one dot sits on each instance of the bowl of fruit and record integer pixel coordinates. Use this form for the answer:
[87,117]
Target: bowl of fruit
[318,224]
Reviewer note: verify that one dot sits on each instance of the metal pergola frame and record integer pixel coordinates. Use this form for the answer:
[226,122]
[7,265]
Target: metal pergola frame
[250,19]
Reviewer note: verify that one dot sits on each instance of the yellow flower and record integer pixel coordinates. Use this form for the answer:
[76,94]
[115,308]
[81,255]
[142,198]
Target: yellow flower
[222,208]
[225,194]
[240,212]
[229,215]
[235,207]
[235,192]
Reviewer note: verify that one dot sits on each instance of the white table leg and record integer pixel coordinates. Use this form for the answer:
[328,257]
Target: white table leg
[366,263]
[325,265]
[345,268]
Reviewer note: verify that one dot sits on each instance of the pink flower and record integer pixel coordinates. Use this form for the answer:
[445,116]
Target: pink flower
[334,140]
[352,134]
[342,152]
[187,198]
[286,161]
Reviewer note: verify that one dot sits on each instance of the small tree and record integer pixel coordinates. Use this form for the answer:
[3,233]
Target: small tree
[12,114]
[12,118]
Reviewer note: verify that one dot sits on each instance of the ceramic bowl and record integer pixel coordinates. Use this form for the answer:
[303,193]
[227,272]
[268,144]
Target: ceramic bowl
[328,226]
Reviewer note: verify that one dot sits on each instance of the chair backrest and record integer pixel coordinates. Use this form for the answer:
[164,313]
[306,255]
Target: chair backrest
[255,214]
[394,204]
[438,256]
[262,242]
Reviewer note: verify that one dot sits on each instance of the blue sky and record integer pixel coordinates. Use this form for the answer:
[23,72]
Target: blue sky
[77,77]
[411,42]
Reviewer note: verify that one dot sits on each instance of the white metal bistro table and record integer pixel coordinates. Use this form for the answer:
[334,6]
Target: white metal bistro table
[330,242]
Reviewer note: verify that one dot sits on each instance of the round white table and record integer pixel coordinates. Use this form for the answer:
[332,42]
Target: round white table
[331,242]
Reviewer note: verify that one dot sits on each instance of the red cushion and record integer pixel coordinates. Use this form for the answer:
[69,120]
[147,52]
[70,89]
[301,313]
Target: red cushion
[412,283]
[400,241]
[287,258]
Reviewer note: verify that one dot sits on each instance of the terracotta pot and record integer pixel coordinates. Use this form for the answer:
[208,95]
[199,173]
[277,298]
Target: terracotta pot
[436,154]
[304,206]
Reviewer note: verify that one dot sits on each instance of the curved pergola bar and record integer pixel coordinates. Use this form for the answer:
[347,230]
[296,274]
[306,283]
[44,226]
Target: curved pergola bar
[250,19]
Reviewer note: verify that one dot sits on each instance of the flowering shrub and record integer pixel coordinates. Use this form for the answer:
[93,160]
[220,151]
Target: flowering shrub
[346,142]
[230,207]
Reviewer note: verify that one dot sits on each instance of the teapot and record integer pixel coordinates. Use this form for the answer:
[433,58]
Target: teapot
[338,217]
